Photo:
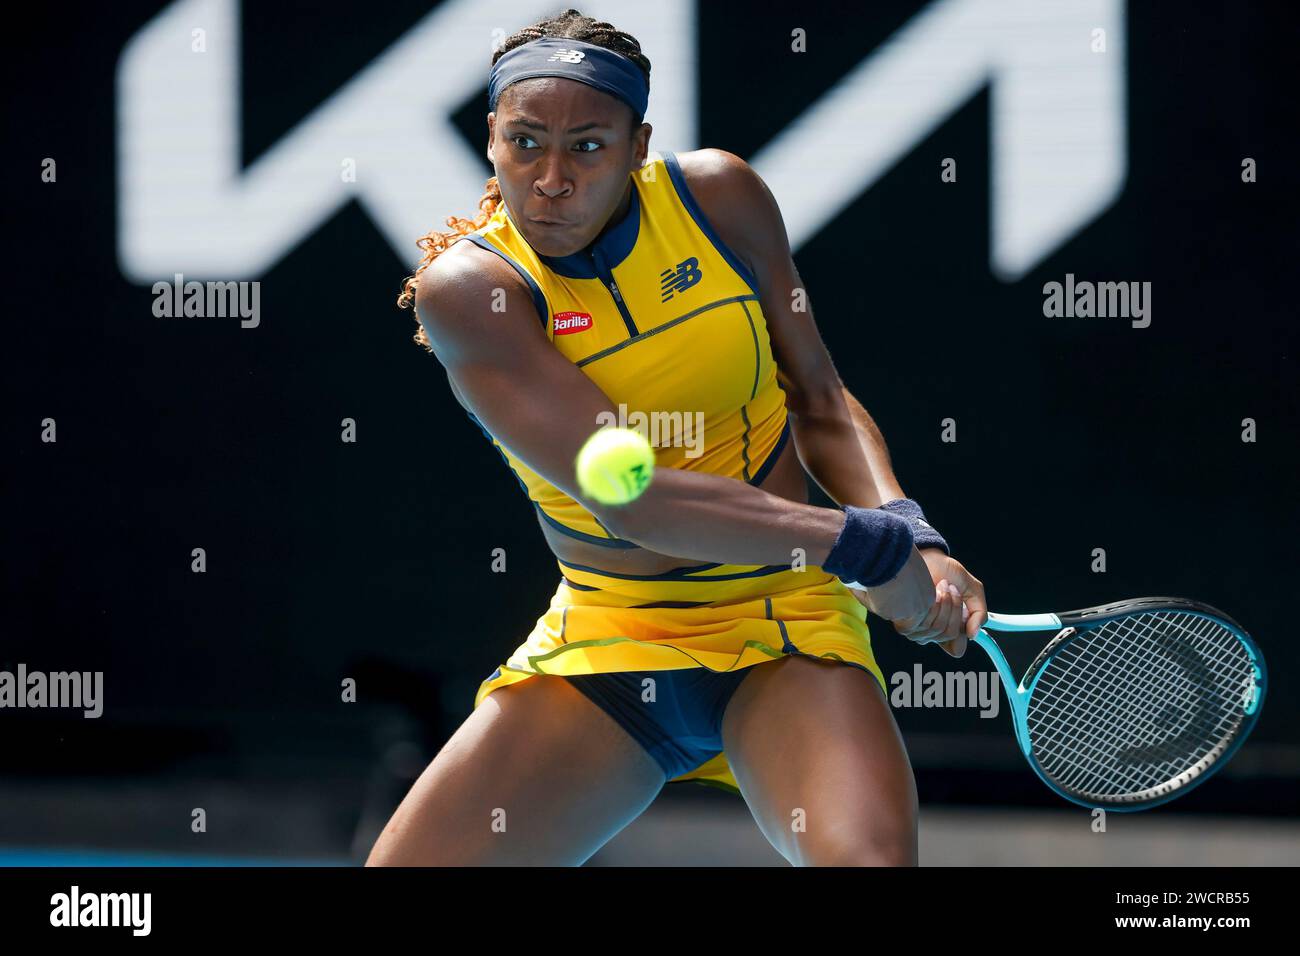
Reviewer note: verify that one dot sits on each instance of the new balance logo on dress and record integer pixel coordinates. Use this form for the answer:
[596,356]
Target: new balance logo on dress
[679,278]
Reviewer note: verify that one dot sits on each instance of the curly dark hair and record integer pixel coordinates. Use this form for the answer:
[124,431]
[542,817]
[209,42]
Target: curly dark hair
[571,25]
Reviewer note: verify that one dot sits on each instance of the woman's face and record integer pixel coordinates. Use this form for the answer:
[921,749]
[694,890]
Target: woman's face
[563,151]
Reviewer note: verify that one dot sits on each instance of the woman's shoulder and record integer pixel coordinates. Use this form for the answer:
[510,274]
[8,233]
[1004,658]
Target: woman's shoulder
[465,259]
[713,171]
[465,272]
[729,192]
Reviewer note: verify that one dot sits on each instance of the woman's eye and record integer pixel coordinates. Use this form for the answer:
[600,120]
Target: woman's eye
[529,140]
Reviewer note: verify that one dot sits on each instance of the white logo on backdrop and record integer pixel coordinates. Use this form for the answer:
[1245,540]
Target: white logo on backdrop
[1057,115]
[186,205]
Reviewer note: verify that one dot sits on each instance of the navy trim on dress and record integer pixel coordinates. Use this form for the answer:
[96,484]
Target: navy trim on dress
[614,246]
[610,542]
[786,646]
[773,455]
[539,300]
[682,574]
[493,442]
[701,220]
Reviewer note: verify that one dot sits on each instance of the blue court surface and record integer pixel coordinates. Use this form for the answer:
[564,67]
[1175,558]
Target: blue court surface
[17,856]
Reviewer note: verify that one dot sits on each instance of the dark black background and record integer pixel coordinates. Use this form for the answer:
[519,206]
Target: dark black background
[328,560]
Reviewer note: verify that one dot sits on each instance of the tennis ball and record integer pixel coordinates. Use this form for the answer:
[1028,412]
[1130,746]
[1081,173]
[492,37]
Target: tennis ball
[615,466]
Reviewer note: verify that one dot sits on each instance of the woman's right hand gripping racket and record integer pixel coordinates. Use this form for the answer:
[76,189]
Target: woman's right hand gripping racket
[1131,704]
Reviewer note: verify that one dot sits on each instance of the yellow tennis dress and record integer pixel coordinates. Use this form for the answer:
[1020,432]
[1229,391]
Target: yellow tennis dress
[666,320]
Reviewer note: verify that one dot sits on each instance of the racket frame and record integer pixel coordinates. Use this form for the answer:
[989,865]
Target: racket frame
[1068,624]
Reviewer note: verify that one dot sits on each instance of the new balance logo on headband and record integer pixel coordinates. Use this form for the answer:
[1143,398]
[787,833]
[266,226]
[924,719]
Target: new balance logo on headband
[568,56]
[679,278]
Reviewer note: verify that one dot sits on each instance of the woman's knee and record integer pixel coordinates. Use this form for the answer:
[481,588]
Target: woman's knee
[894,845]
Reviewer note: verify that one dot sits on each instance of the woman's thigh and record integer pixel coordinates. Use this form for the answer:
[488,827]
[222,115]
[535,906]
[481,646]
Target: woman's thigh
[536,775]
[822,765]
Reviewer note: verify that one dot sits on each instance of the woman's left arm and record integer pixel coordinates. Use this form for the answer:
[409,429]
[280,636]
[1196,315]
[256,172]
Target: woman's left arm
[837,441]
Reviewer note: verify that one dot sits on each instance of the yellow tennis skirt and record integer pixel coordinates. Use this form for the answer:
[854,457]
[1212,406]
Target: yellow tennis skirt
[722,617]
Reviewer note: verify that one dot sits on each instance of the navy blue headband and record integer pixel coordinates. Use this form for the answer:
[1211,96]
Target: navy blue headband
[596,66]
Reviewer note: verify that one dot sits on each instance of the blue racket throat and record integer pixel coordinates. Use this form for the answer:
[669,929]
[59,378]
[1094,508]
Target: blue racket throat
[1016,692]
[1131,704]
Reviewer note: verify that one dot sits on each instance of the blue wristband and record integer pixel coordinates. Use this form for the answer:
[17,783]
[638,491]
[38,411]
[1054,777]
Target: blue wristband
[922,533]
[871,549]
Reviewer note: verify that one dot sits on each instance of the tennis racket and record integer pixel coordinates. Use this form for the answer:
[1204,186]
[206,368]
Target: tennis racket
[1131,704]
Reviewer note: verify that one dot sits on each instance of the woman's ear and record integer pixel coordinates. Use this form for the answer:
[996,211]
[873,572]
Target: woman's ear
[642,148]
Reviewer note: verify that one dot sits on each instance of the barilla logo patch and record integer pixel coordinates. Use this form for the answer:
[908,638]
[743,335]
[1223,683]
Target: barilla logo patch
[569,322]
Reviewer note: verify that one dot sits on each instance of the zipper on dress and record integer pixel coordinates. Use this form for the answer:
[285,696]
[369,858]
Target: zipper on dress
[607,277]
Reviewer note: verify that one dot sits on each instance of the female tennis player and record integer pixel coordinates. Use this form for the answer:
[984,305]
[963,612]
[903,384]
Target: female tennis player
[714,629]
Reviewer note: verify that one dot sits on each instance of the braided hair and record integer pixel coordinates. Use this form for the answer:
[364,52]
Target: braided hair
[568,25]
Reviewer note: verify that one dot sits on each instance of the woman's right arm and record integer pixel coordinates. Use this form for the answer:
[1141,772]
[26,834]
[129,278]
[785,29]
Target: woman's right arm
[542,408]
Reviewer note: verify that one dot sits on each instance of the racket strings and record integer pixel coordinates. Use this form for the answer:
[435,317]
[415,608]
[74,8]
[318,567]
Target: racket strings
[1127,708]
[1140,735]
[1146,719]
[1133,745]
